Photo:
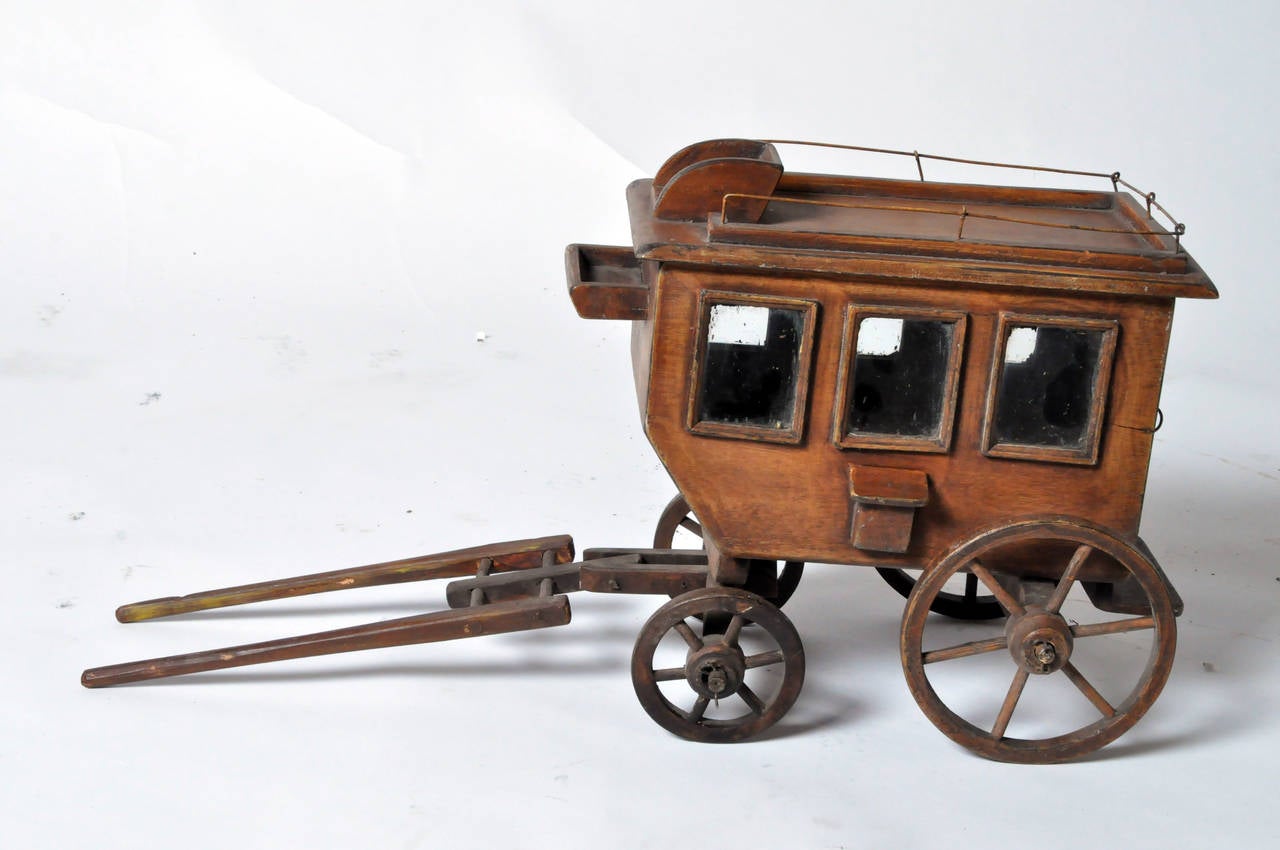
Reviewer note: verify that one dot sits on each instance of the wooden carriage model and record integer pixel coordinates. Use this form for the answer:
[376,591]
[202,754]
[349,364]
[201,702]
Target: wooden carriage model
[956,384]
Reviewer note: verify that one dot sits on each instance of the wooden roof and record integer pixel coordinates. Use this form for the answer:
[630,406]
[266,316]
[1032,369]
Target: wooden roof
[729,203]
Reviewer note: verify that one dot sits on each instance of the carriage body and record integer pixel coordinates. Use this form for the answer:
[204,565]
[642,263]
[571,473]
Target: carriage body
[946,357]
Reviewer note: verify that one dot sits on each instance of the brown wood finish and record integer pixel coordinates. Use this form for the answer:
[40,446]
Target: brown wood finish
[775,582]
[688,242]
[497,618]
[605,282]
[713,149]
[884,506]
[669,576]
[697,190]
[965,236]
[716,667]
[984,257]
[513,555]
[899,488]
[1019,524]
[881,528]
[523,584]
[691,183]
[791,502]
[1039,641]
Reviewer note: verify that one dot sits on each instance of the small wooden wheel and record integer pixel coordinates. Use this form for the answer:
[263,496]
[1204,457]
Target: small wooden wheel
[1039,641]
[723,706]
[968,604]
[676,515]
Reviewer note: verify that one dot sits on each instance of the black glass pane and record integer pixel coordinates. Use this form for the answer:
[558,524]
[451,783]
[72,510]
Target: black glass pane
[899,377]
[751,368]
[1046,387]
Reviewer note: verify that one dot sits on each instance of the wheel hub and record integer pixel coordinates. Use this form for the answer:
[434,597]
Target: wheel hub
[1039,641]
[715,671]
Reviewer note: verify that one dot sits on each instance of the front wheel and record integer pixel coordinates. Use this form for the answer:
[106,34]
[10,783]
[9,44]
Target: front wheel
[717,686]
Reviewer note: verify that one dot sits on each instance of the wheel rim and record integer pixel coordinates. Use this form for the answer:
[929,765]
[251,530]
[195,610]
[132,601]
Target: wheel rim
[677,515]
[717,670]
[674,516]
[969,604]
[1039,643]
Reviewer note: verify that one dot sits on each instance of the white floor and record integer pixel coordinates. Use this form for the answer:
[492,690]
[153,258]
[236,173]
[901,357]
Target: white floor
[245,258]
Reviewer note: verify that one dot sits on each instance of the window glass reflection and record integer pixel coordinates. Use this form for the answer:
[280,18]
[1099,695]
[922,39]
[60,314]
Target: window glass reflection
[900,377]
[1047,385]
[751,366]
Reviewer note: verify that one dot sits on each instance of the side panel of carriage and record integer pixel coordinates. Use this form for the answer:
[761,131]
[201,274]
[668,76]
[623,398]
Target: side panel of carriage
[826,491]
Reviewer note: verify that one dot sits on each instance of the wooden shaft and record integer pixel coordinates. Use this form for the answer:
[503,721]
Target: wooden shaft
[498,618]
[511,555]
[634,574]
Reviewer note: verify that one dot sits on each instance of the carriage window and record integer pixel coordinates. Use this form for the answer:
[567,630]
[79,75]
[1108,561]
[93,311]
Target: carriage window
[753,367]
[1049,386]
[899,375]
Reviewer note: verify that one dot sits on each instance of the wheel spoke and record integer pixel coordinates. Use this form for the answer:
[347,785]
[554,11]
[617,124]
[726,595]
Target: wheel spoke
[970,589]
[1010,703]
[764,659]
[691,525]
[749,697]
[1006,600]
[699,708]
[1098,700]
[668,674]
[964,650]
[1068,578]
[690,638]
[1113,627]
[734,630]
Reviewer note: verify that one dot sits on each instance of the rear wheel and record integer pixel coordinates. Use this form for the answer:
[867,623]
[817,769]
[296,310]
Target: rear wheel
[965,601]
[1112,667]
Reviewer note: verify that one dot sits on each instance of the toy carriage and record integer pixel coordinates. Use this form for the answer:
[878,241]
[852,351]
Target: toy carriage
[955,384]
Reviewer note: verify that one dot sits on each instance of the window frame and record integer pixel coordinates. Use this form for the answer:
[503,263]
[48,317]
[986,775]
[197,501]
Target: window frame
[1087,454]
[795,434]
[854,314]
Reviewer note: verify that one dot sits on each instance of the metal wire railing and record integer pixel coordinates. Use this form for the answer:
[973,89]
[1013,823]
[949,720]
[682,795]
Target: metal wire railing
[1176,231]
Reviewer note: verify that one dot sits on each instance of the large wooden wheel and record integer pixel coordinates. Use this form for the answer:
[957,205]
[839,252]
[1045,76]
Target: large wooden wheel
[676,515]
[723,687]
[1040,640]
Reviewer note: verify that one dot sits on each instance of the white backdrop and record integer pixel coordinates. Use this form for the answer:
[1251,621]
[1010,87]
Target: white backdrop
[245,253]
